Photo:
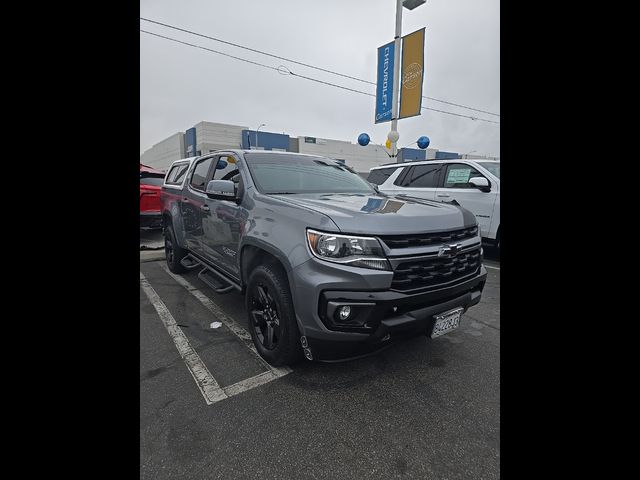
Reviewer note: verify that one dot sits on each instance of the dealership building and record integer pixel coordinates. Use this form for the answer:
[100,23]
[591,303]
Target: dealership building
[207,137]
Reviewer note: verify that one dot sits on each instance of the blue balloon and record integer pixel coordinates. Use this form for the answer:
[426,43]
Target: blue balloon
[423,142]
[363,139]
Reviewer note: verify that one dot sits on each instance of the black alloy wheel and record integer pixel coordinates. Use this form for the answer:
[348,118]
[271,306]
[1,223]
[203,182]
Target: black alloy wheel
[265,317]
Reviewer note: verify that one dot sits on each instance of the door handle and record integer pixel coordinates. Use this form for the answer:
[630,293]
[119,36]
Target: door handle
[205,208]
[443,195]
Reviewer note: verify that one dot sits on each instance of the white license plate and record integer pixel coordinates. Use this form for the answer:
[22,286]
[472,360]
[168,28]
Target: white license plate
[446,322]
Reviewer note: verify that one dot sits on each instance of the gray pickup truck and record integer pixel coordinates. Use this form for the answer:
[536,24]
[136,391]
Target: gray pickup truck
[330,267]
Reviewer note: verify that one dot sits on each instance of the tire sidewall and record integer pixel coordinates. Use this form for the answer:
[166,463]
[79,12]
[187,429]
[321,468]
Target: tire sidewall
[288,349]
[178,253]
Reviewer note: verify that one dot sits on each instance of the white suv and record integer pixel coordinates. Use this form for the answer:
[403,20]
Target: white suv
[474,184]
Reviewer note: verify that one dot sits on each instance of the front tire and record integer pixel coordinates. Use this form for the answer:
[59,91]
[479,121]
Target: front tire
[174,253]
[272,320]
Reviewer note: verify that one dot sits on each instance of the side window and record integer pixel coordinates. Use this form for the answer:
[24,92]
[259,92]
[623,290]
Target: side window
[199,176]
[226,168]
[378,177]
[458,174]
[422,176]
[177,173]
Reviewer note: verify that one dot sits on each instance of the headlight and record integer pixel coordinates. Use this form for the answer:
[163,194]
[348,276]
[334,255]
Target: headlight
[347,249]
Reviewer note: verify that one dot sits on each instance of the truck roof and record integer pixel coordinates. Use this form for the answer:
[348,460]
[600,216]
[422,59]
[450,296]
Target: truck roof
[148,169]
[433,160]
[241,152]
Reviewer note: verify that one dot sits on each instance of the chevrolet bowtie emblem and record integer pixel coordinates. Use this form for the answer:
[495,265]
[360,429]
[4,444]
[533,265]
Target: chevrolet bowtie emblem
[449,251]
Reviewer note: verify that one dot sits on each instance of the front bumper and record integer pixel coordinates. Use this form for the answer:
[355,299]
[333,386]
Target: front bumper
[150,220]
[392,315]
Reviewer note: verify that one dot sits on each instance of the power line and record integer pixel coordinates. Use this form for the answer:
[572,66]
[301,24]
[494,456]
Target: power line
[209,50]
[286,71]
[301,63]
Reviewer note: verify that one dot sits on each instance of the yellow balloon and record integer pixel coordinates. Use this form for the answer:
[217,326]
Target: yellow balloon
[388,143]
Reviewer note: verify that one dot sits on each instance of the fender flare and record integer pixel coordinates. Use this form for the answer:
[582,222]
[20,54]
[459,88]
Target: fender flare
[176,221]
[270,249]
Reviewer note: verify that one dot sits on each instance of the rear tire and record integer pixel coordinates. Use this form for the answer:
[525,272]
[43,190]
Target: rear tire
[271,317]
[173,252]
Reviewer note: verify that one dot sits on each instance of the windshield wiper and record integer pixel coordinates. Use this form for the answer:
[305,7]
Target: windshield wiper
[281,193]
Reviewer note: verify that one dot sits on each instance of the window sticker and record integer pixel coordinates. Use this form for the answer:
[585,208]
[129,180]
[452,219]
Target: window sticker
[459,175]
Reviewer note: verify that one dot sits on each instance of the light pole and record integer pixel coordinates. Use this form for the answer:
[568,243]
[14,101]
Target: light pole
[393,135]
[261,125]
[466,155]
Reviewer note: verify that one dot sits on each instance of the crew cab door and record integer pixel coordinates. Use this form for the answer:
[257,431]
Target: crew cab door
[193,202]
[223,220]
[454,185]
[417,181]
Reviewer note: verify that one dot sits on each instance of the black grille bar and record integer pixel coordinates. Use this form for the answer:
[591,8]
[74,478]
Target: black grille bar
[436,271]
[422,239]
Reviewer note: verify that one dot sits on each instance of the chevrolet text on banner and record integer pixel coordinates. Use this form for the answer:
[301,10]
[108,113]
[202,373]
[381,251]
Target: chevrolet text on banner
[384,85]
[412,74]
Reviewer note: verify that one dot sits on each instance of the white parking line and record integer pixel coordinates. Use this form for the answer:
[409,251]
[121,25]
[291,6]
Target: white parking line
[210,389]
[230,323]
[489,266]
[249,383]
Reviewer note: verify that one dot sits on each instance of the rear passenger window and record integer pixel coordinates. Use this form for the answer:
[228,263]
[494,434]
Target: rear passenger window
[177,173]
[378,177]
[458,175]
[199,176]
[422,176]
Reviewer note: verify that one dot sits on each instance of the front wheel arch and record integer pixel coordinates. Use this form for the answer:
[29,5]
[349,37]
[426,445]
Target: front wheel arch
[251,256]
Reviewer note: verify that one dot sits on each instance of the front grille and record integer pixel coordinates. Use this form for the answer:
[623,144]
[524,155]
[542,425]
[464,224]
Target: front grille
[422,239]
[436,271]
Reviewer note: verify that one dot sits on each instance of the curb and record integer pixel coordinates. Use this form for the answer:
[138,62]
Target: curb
[151,255]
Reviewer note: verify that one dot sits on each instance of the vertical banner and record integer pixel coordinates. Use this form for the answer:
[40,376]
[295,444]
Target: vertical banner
[384,84]
[412,74]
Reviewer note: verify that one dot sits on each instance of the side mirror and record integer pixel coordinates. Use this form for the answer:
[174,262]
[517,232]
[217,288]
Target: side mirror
[481,183]
[221,190]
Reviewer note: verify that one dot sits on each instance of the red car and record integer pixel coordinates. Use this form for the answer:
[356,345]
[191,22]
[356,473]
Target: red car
[151,181]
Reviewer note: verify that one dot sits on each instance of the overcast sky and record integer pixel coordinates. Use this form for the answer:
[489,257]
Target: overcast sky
[181,86]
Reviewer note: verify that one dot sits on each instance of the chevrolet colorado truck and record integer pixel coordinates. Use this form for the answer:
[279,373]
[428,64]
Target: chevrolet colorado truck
[330,267]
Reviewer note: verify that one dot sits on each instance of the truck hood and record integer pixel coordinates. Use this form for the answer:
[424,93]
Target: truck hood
[381,214]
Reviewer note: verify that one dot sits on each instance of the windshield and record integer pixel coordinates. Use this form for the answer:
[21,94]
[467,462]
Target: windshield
[290,174]
[492,167]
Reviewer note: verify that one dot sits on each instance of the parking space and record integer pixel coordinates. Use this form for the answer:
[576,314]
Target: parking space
[151,240]
[211,408]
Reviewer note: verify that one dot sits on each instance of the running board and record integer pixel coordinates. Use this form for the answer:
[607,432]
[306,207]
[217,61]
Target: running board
[211,278]
[190,262]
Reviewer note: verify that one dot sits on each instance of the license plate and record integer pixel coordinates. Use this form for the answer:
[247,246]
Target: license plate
[446,322]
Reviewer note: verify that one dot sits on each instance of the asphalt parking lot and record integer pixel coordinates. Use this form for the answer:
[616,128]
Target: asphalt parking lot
[211,408]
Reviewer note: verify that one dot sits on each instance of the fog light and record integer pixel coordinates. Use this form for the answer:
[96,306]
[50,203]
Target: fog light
[344,312]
